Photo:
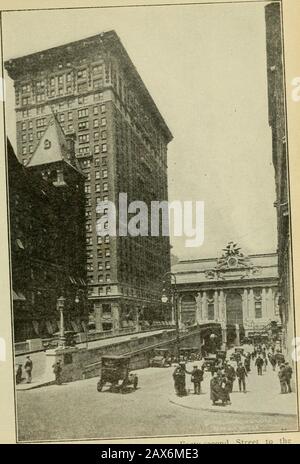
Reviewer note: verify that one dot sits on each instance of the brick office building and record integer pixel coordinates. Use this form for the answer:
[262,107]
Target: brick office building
[47,232]
[121,145]
[277,122]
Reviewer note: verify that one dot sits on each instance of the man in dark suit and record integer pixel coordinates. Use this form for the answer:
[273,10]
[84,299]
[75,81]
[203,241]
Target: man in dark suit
[196,379]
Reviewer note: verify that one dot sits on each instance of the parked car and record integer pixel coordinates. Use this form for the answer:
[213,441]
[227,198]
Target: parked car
[115,370]
[161,358]
[221,354]
[190,354]
[209,363]
[69,337]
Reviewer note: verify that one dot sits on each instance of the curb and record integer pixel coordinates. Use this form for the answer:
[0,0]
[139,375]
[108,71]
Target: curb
[32,386]
[233,411]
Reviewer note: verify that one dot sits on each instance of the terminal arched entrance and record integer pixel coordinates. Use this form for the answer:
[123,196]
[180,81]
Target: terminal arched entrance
[188,309]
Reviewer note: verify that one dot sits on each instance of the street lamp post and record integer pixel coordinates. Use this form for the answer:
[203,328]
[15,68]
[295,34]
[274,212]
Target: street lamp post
[77,301]
[165,299]
[60,307]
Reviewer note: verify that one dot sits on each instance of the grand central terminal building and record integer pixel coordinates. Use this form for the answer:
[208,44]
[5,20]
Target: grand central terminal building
[239,292]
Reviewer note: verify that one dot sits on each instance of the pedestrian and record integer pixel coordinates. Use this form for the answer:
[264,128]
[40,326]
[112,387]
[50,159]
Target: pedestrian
[288,376]
[265,359]
[179,380]
[247,363]
[196,379]
[279,358]
[230,375]
[57,369]
[28,366]
[272,360]
[226,389]
[19,374]
[259,364]
[241,374]
[214,388]
[282,379]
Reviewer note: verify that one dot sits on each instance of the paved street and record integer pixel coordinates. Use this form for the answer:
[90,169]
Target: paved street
[77,410]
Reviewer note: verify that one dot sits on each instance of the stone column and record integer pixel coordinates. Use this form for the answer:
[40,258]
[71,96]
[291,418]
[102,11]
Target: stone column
[179,300]
[199,315]
[216,306]
[115,315]
[251,306]
[264,304]
[224,335]
[245,305]
[222,306]
[237,334]
[271,304]
[98,316]
[204,306]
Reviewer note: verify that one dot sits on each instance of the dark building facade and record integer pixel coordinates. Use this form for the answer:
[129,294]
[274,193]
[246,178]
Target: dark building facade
[277,122]
[47,232]
[121,145]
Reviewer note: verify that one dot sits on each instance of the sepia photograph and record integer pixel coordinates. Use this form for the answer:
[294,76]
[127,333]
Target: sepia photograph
[148,204]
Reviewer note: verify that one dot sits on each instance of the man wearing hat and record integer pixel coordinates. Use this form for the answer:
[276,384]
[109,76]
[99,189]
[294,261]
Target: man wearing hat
[196,379]
[28,368]
[288,376]
[282,379]
[179,379]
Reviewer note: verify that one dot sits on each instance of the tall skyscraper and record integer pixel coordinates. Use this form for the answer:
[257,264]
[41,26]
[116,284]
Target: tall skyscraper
[121,143]
[277,122]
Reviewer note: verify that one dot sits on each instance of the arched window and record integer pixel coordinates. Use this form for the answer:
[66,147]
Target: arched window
[188,309]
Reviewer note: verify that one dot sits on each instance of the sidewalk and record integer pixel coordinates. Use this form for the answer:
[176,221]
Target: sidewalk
[262,396]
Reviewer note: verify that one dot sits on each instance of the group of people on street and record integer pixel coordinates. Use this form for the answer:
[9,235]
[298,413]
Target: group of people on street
[224,374]
[28,366]
[264,355]
[179,376]
[285,376]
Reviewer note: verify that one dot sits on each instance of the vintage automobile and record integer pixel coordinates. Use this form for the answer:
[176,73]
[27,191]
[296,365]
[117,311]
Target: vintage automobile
[69,335]
[115,371]
[209,363]
[237,354]
[239,349]
[190,354]
[221,354]
[161,358]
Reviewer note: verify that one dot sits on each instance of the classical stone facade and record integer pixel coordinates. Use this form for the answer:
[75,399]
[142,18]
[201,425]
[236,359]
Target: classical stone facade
[121,145]
[239,292]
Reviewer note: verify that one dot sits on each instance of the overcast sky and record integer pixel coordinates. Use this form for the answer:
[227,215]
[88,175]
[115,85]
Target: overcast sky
[205,66]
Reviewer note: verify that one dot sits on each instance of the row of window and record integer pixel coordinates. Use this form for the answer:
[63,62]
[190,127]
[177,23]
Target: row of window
[101,267]
[98,175]
[97,97]
[87,188]
[62,78]
[100,240]
[41,122]
[82,99]
[54,92]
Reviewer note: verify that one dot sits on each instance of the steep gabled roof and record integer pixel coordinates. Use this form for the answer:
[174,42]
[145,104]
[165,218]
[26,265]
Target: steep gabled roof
[52,146]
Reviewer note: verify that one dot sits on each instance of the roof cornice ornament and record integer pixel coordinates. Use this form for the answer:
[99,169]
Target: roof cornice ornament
[232,260]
